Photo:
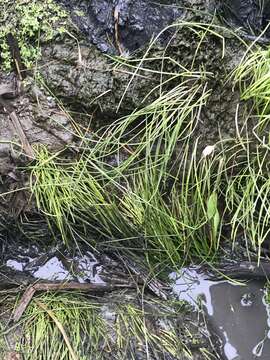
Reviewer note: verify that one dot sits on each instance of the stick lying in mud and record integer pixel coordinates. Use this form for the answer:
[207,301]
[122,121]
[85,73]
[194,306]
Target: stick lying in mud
[16,56]
[116,30]
[32,289]
[16,123]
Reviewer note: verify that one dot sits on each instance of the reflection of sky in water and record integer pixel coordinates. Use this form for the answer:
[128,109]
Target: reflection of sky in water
[53,269]
[87,268]
[14,264]
[237,313]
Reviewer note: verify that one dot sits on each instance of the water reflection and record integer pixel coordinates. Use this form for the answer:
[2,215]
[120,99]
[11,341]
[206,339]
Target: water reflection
[236,313]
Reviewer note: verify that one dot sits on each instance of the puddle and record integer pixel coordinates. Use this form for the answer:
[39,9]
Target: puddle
[236,313]
[54,266]
[52,270]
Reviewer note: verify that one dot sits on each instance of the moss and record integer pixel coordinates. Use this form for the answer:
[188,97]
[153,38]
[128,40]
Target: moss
[267,293]
[29,21]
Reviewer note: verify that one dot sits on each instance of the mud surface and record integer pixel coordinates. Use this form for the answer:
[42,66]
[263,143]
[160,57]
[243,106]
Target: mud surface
[39,116]
[122,25]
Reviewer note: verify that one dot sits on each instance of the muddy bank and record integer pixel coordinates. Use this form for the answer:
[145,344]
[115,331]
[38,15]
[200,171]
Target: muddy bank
[98,86]
[77,84]
[73,91]
[86,82]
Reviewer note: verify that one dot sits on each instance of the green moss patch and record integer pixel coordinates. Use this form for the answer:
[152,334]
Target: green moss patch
[29,22]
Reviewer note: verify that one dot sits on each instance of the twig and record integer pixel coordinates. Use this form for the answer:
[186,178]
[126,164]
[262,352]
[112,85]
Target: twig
[116,30]
[243,270]
[16,56]
[31,290]
[18,128]
[25,300]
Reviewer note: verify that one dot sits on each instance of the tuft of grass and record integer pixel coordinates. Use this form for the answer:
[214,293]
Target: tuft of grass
[253,78]
[247,193]
[71,326]
[248,200]
[144,327]
[63,326]
[124,198]
[144,184]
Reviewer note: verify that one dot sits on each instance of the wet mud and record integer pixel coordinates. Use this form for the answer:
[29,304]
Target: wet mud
[122,26]
[93,84]
[251,15]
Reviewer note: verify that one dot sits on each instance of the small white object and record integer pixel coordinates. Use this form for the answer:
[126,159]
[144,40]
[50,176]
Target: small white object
[208,150]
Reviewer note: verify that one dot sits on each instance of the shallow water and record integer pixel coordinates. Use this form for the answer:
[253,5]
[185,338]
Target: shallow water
[235,312]
[56,267]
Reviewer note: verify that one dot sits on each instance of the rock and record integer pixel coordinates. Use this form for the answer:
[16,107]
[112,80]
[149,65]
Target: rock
[92,85]
[122,25]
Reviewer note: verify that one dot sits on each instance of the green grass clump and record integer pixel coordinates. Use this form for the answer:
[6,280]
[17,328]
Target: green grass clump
[253,76]
[74,200]
[138,203]
[253,79]
[134,324]
[146,183]
[29,21]
[65,327]
[142,183]
[247,194]
[70,326]
[248,199]
[179,218]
